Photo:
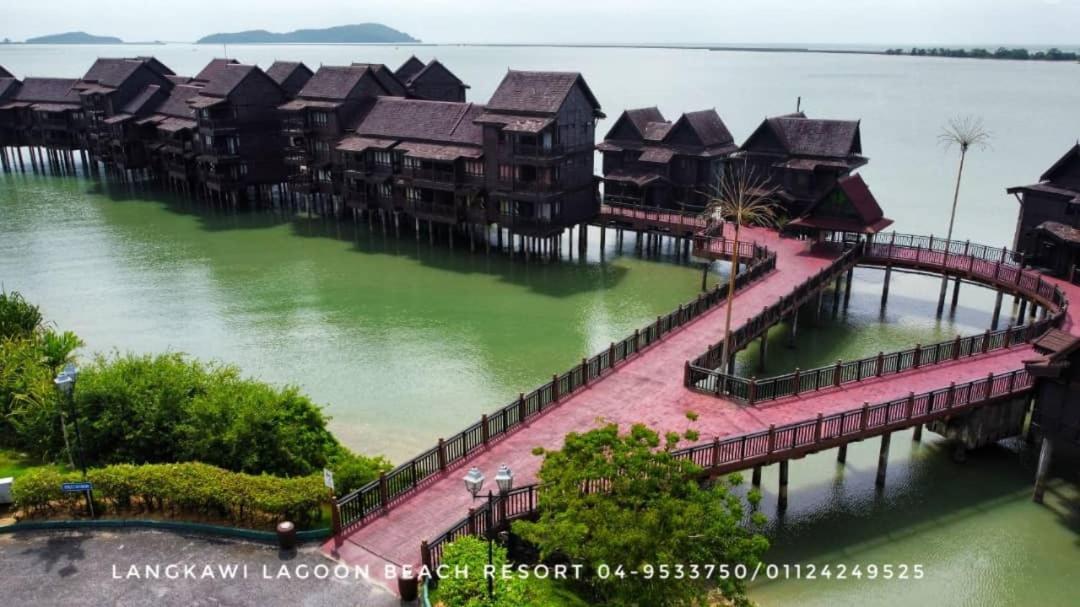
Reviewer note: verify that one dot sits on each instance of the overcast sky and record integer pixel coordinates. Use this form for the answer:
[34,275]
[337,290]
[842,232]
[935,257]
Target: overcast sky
[874,22]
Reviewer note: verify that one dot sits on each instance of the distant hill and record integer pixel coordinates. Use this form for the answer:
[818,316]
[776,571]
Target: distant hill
[74,38]
[363,32]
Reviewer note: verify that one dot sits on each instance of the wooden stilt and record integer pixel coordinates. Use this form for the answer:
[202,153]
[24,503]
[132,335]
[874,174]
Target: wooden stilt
[883,460]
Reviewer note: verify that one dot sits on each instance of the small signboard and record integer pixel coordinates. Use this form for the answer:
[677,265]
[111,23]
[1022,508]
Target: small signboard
[328,478]
[76,487]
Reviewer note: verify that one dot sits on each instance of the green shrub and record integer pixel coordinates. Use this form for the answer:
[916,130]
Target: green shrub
[471,591]
[352,471]
[189,490]
[18,317]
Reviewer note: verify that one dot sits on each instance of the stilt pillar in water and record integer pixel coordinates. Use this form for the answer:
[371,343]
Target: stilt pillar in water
[781,498]
[794,334]
[1043,470]
[841,454]
[847,287]
[755,477]
[917,436]
[885,287]
[836,296]
[603,238]
[955,293]
[763,351]
[1023,311]
[997,311]
[883,460]
[704,275]
[941,294]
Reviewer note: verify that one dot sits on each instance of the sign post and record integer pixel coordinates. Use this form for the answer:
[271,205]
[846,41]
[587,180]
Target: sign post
[335,514]
[86,488]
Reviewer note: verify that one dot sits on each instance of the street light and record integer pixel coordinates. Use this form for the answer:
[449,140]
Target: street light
[65,384]
[474,481]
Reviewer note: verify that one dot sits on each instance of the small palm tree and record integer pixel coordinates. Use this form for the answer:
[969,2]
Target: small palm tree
[964,132]
[742,199]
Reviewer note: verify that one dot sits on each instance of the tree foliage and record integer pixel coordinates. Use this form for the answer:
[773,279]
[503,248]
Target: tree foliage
[618,503]
[471,554]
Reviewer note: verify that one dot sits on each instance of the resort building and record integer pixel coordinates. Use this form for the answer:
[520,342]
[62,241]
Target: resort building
[432,81]
[328,107]
[523,161]
[171,139]
[114,91]
[652,162]
[803,157]
[43,113]
[239,148]
[1048,227]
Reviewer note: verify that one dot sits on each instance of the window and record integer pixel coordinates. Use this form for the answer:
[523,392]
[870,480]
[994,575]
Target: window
[412,163]
[243,169]
[232,144]
[413,194]
[320,118]
[506,172]
[386,190]
[474,168]
[383,158]
[322,147]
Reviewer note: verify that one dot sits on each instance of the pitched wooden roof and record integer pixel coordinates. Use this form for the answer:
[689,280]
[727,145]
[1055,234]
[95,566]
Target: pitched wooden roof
[5,74]
[411,66]
[145,101]
[538,92]
[432,67]
[638,120]
[1070,157]
[802,136]
[425,121]
[386,78]
[334,82]
[111,72]
[49,90]
[8,87]
[863,216]
[212,69]
[227,78]
[289,75]
[1060,231]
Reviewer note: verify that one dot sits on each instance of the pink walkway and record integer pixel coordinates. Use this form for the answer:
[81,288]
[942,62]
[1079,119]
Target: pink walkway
[649,389]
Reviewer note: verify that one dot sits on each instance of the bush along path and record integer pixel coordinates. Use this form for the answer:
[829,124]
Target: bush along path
[162,434]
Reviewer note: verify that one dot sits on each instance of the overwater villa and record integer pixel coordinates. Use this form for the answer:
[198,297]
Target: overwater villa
[803,157]
[652,162]
[1048,226]
[405,147]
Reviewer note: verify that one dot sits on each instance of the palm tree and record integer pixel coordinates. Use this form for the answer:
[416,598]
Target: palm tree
[741,198]
[963,132]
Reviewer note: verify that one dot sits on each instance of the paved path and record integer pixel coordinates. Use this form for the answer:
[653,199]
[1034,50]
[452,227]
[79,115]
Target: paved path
[649,389]
[50,568]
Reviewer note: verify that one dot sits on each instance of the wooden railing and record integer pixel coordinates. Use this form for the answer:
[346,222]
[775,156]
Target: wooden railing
[990,265]
[377,497]
[661,217]
[778,443]
[704,365]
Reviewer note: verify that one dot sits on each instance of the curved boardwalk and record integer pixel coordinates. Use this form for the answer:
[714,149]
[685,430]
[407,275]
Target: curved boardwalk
[649,389]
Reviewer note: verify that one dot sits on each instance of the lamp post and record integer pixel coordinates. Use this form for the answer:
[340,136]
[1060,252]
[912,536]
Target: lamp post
[474,482]
[65,384]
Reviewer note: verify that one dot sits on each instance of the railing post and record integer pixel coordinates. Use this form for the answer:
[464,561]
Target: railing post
[637,340]
[383,497]
[951,395]
[484,432]
[521,407]
[772,438]
[836,373]
[585,371]
[863,421]
[956,348]
[752,391]
[425,556]
[611,356]
[986,342]
[880,363]
[910,406]
[1009,386]
[686,374]
[442,455]
[716,451]
[797,381]
[917,356]
[555,388]
[817,429]
[471,524]
[989,384]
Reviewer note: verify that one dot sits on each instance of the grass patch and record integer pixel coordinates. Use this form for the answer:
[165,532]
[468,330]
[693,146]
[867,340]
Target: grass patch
[15,464]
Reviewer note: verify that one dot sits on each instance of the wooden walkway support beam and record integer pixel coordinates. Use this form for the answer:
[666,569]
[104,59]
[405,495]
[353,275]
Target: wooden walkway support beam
[781,498]
[883,460]
[1043,470]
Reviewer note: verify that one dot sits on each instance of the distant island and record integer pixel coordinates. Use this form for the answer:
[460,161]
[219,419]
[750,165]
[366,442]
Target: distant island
[74,38]
[360,33]
[1021,54]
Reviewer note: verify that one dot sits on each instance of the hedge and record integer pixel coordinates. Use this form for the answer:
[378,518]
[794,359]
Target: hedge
[187,490]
